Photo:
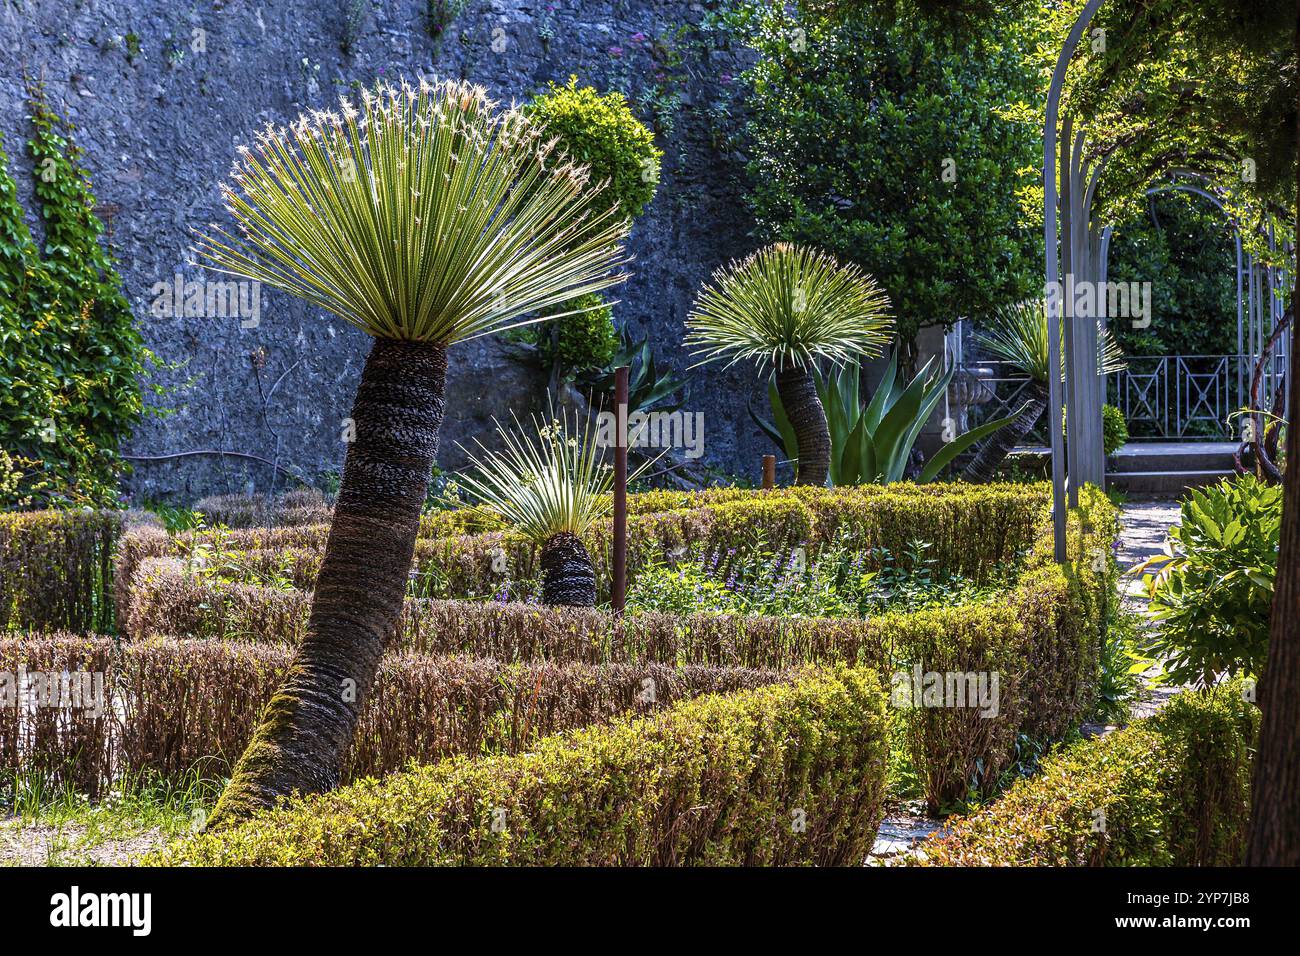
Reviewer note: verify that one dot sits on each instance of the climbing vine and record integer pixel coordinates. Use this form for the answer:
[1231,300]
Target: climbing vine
[70,355]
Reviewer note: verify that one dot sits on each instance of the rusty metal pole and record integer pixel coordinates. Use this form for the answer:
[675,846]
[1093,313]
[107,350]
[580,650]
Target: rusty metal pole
[769,472]
[619,589]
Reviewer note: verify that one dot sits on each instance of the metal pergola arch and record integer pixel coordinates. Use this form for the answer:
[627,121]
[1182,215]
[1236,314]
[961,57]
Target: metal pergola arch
[1078,249]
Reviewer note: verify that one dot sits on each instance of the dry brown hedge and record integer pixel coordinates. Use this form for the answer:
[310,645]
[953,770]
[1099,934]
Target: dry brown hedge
[71,746]
[173,705]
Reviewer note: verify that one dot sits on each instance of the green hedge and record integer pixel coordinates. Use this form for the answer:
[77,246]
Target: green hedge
[789,774]
[1170,790]
[974,529]
[56,570]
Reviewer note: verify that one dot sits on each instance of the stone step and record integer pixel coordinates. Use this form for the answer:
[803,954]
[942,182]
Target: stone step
[1164,482]
[1140,457]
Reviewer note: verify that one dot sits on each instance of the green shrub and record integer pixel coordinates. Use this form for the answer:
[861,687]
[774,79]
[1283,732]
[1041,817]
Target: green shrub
[935,215]
[1114,429]
[70,354]
[583,337]
[1212,599]
[56,570]
[782,775]
[1170,790]
[601,132]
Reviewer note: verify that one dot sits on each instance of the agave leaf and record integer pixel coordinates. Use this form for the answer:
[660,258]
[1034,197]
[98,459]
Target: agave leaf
[935,391]
[789,441]
[885,394]
[767,427]
[894,427]
[952,449]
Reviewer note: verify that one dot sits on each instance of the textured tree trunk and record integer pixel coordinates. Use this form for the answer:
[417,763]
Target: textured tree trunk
[993,450]
[567,575]
[307,726]
[1275,803]
[808,419]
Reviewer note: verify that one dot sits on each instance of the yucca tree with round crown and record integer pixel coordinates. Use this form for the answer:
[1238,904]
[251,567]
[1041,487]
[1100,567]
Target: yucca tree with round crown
[551,486]
[788,307]
[1017,334]
[424,217]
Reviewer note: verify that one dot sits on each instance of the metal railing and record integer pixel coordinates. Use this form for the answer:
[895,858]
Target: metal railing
[1182,397]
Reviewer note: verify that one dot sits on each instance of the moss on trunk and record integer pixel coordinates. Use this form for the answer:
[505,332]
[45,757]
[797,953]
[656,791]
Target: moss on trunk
[308,724]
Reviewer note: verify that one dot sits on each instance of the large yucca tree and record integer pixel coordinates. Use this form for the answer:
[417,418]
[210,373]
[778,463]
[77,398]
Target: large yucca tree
[787,307]
[551,486]
[1017,334]
[426,216]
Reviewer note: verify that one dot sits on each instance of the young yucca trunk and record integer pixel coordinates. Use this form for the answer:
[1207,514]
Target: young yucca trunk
[568,577]
[808,419]
[995,448]
[307,726]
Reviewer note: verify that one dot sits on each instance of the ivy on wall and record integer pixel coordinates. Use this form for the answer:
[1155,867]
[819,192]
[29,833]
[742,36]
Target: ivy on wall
[71,357]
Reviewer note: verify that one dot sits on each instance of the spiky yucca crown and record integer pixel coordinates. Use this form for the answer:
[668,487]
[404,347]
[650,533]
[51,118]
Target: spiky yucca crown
[546,480]
[789,304]
[429,214]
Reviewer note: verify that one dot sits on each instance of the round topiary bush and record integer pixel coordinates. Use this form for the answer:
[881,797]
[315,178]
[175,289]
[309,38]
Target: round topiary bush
[600,131]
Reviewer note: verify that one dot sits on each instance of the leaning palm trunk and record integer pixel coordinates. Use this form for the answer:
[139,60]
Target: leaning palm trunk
[308,724]
[808,419]
[994,449]
[568,578]
[425,218]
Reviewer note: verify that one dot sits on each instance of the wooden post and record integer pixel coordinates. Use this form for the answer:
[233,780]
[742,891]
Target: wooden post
[769,472]
[619,587]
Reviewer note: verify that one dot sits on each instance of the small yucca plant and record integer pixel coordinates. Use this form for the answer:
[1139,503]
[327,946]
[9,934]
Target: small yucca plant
[1017,334]
[788,307]
[551,486]
[424,217]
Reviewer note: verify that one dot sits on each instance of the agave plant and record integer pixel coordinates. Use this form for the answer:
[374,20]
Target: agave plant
[551,489]
[873,443]
[426,216]
[788,307]
[648,384]
[1017,334]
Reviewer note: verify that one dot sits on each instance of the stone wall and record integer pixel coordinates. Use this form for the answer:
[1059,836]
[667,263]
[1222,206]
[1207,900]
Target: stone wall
[162,93]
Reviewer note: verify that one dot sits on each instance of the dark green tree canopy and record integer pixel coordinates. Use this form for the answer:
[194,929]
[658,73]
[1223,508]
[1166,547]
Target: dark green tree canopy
[892,141]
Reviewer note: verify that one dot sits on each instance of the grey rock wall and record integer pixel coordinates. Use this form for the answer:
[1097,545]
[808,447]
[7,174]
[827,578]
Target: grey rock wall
[162,93]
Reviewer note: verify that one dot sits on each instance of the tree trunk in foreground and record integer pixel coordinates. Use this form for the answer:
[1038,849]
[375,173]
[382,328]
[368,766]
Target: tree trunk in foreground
[994,449]
[568,578]
[808,419]
[1275,801]
[307,726]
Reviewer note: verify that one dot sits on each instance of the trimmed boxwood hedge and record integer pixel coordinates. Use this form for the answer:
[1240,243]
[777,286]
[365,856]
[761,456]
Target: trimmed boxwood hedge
[1169,790]
[973,529]
[788,774]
